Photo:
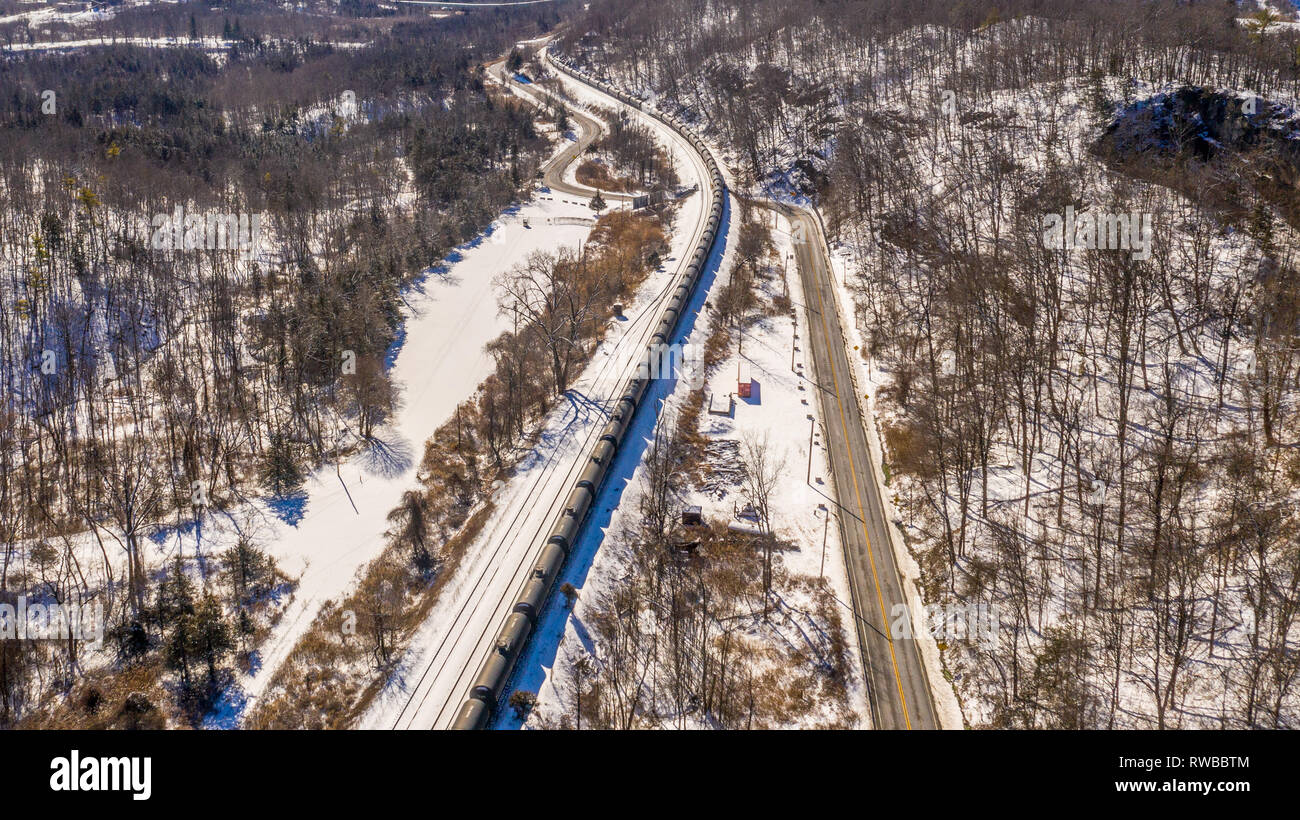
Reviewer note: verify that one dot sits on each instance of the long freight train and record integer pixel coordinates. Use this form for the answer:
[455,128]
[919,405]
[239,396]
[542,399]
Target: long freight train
[489,685]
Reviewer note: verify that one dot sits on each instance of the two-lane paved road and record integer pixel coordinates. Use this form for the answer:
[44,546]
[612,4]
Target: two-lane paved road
[897,683]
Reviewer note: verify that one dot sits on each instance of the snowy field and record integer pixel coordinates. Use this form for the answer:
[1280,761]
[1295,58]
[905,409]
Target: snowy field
[210,44]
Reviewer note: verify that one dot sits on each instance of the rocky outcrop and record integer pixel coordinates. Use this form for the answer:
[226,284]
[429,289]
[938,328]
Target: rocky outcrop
[1203,123]
[1257,138]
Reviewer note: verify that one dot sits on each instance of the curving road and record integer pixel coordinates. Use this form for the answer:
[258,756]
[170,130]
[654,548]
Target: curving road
[589,130]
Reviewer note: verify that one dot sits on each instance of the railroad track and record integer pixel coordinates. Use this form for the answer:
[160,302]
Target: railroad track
[447,680]
[609,367]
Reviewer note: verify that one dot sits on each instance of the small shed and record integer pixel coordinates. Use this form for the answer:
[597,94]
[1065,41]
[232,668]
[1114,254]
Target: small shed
[720,404]
[744,380]
[692,517]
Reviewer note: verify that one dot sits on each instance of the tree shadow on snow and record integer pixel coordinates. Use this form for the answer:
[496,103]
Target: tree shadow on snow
[387,458]
[290,507]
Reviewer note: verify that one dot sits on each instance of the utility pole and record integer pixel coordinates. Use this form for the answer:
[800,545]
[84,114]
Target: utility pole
[826,525]
[794,332]
[812,424]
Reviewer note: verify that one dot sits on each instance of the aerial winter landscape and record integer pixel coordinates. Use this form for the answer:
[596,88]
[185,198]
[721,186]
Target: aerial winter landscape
[874,365]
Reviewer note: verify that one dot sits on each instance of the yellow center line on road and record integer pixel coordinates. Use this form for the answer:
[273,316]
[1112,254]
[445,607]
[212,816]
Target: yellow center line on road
[853,472]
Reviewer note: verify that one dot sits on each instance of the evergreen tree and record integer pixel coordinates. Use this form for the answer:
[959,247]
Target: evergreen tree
[246,571]
[175,595]
[176,611]
[280,472]
[211,636]
[1099,105]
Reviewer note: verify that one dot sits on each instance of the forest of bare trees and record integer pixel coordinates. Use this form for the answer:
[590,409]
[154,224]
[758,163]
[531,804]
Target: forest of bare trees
[203,261]
[1100,443]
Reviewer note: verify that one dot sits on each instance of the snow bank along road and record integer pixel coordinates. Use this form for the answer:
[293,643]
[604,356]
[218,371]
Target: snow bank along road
[897,684]
[434,676]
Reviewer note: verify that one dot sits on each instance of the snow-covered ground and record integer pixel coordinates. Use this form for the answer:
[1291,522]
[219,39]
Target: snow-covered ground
[48,14]
[434,674]
[440,363]
[1032,485]
[778,411]
[324,534]
[206,43]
